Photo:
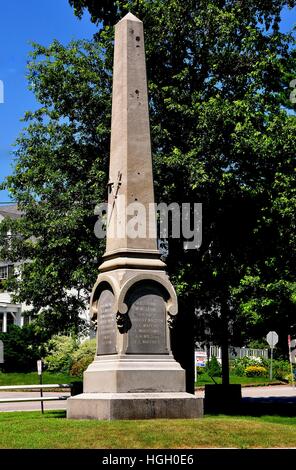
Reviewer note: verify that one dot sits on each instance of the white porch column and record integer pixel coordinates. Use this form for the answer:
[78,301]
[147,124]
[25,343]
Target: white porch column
[4,324]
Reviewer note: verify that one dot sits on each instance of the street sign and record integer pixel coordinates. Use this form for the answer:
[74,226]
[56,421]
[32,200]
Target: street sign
[200,359]
[272,339]
[292,357]
[39,367]
[293,351]
[1,352]
[39,370]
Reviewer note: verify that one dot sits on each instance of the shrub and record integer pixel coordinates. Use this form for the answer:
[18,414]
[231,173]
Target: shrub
[83,357]
[200,370]
[80,366]
[239,365]
[280,369]
[22,348]
[213,368]
[256,371]
[86,348]
[290,378]
[59,353]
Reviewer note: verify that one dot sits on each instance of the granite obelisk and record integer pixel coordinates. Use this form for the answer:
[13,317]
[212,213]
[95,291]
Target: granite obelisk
[134,374]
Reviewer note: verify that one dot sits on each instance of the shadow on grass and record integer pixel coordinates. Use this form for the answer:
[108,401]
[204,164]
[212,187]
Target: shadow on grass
[281,406]
[272,406]
[55,414]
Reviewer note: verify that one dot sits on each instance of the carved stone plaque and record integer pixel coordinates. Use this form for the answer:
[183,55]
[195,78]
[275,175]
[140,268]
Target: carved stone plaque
[106,324]
[148,323]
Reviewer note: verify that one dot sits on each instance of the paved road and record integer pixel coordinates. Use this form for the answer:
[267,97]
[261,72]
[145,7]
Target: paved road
[247,392]
[32,406]
[264,392]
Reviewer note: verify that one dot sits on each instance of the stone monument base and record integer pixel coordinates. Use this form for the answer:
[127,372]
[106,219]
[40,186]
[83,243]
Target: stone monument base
[109,406]
[134,374]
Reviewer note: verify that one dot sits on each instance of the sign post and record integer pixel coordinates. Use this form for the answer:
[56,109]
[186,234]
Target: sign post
[1,352]
[39,371]
[200,360]
[292,356]
[272,339]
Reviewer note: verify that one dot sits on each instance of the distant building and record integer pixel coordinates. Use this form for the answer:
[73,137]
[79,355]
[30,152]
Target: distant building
[10,313]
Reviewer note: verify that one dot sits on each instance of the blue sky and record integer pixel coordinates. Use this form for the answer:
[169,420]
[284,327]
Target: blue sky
[21,23]
[38,21]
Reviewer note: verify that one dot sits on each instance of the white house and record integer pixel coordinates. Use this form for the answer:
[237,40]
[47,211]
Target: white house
[10,313]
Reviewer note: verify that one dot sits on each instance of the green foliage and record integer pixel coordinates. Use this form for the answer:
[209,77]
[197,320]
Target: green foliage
[200,370]
[86,348]
[82,357]
[255,371]
[60,175]
[59,350]
[213,368]
[290,378]
[98,9]
[22,347]
[280,369]
[80,366]
[65,354]
[258,344]
[239,366]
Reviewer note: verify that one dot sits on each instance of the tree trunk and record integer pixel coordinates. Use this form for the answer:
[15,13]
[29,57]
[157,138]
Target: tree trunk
[224,347]
[225,362]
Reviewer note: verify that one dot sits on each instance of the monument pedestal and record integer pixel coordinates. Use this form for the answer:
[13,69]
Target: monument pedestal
[111,406]
[134,387]
[134,374]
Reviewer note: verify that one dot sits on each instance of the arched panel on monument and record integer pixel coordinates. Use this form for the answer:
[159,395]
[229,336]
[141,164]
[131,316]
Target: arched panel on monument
[148,333]
[106,319]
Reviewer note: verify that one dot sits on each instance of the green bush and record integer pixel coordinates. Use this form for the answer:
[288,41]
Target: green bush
[22,348]
[200,370]
[80,366]
[86,348]
[82,357]
[59,351]
[290,378]
[213,368]
[256,371]
[280,369]
[239,365]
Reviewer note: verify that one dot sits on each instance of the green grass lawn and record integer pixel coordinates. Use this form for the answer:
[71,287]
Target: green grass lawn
[31,378]
[33,431]
[204,379]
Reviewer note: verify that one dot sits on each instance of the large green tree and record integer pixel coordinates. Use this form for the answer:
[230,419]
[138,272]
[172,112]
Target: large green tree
[60,175]
[219,75]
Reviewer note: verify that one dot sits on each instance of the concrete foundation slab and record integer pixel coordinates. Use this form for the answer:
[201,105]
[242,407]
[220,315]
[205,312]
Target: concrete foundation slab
[111,406]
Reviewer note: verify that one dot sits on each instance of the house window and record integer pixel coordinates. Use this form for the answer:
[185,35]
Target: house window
[4,271]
